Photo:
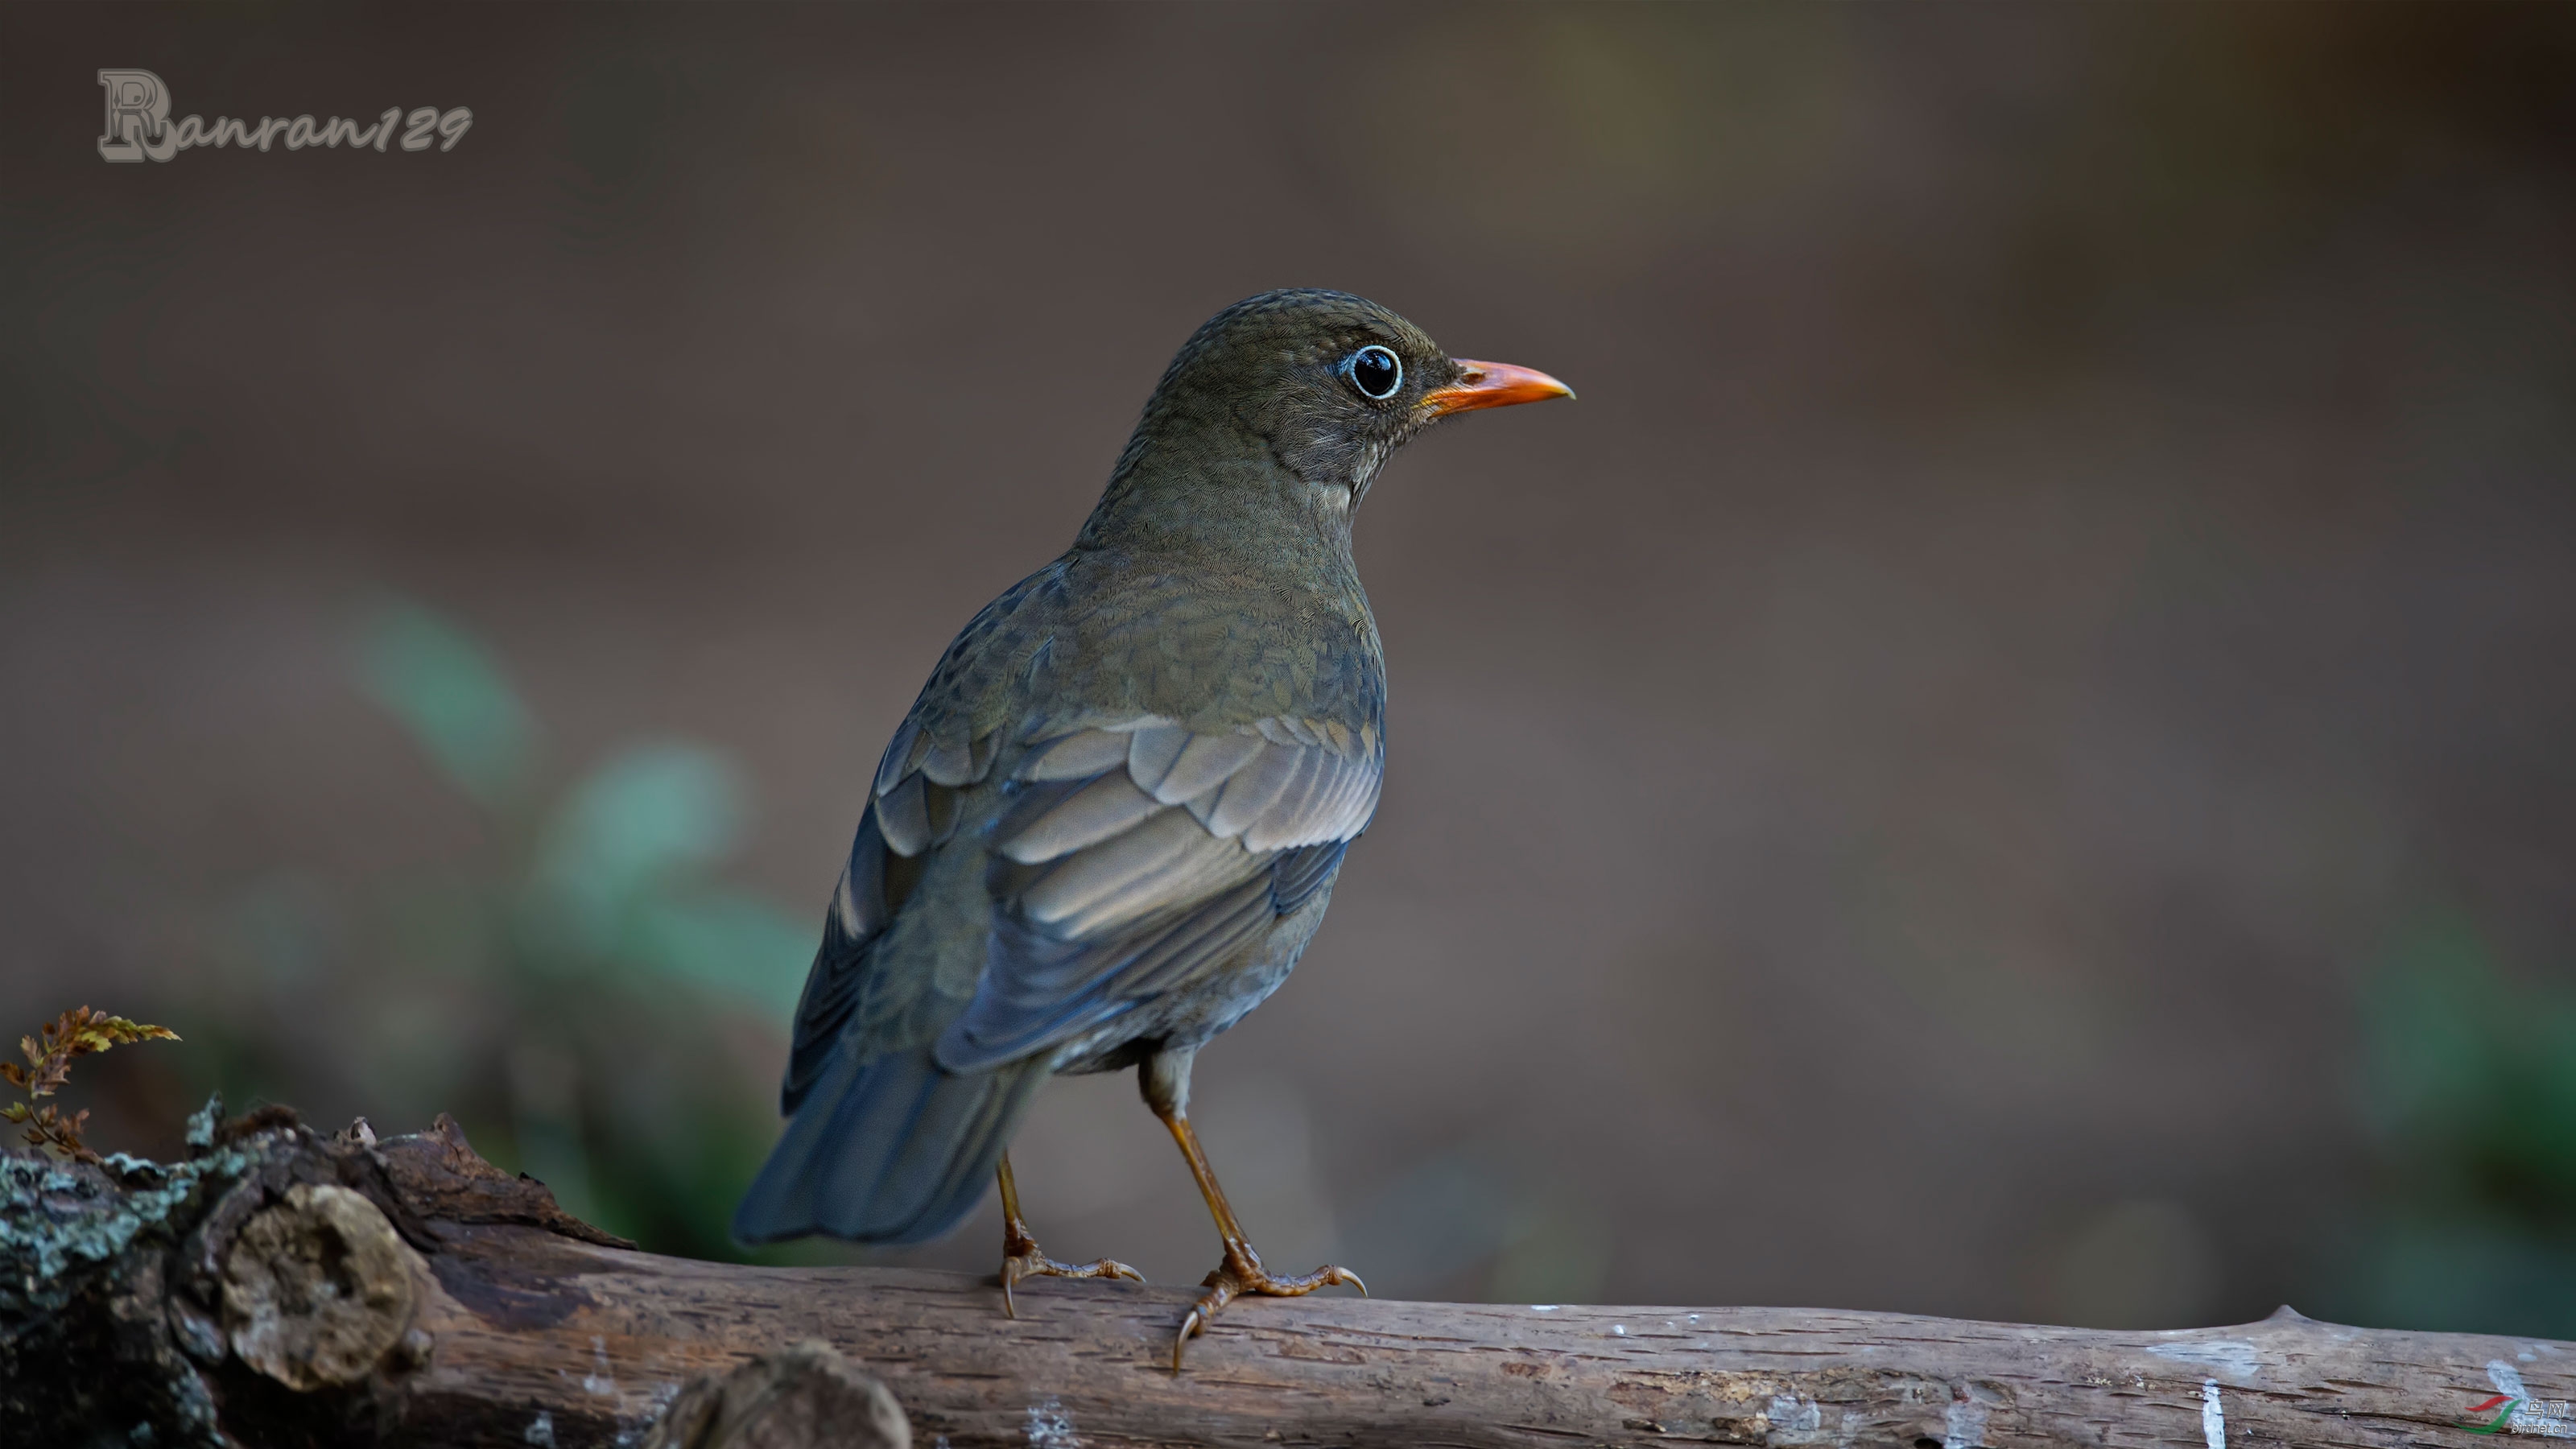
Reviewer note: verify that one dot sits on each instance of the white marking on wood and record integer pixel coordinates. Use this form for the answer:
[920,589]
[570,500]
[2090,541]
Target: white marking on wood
[1050,1427]
[541,1431]
[636,1425]
[2213,1419]
[1965,1426]
[1620,1329]
[1543,1307]
[1795,1414]
[2530,1416]
[2233,1358]
[599,1380]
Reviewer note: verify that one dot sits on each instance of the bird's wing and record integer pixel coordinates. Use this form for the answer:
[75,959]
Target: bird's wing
[913,808]
[859,994]
[1135,855]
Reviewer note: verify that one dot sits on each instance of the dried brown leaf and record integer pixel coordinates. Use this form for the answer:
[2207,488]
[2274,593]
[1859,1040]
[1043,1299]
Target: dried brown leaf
[76,1033]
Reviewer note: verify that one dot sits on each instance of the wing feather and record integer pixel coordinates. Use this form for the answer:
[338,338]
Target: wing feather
[897,761]
[1076,756]
[1097,811]
[1309,770]
[914,806]
[1206,763]
[1144,872]
[1152,751]
[903,816]
[951,763]
[1039,990]
[1253,790]
[1104,894]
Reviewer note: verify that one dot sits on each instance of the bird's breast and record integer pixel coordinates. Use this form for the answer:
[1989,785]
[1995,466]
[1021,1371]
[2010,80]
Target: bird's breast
[1220,644]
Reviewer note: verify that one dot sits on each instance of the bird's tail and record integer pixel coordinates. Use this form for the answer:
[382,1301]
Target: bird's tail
[887,1150]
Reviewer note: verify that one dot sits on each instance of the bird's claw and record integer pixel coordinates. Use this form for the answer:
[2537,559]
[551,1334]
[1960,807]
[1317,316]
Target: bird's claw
[1242,1273]
[1025,1260]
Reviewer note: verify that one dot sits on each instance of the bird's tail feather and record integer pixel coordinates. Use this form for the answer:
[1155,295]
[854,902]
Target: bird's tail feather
[887,1150]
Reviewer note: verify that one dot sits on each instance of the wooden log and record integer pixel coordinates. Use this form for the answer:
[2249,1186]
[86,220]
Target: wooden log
[282,1288]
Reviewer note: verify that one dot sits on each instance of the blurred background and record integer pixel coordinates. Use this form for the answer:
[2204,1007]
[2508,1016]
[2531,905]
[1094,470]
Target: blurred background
[2010,758]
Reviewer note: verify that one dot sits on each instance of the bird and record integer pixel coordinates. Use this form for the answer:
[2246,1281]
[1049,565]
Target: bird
[1112,820]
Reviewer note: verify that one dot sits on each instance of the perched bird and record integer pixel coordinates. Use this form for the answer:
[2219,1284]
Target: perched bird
[1114,816]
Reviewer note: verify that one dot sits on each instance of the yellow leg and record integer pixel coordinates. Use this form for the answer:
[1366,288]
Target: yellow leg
[1241,1271]
[1021,1257]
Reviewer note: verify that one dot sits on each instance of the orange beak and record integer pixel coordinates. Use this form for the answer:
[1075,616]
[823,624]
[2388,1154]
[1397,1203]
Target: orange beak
[1491,385]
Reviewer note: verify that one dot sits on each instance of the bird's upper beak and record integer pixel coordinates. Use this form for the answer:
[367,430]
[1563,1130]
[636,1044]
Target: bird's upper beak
[1490,385]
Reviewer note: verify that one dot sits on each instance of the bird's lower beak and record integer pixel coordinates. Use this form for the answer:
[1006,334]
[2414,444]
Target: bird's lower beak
[1491,385]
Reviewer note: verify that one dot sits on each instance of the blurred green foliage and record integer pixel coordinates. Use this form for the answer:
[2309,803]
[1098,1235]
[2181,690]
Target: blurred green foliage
[2472,1097]
[452,695]
[583,992]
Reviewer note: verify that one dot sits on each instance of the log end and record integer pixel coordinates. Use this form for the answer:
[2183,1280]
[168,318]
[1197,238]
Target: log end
[318,1288]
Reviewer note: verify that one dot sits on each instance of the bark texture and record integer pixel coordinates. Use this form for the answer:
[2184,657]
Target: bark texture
[282,1288]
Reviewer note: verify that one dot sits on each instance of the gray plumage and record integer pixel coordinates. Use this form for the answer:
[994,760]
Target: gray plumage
[1114,816]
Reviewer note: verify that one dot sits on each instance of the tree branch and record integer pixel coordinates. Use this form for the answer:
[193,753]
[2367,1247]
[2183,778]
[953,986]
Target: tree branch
[283,1288]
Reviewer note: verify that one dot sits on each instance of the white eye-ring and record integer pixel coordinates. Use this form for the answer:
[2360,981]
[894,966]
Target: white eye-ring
[1375,371]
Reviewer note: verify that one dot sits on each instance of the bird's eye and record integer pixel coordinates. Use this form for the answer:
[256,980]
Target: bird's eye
[1375,372]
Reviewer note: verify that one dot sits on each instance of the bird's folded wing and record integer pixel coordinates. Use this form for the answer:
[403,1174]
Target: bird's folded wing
[1136,856]
[913,807]
[1131,857]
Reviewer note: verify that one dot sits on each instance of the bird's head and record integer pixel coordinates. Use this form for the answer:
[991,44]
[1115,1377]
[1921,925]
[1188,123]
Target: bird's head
[1323,383]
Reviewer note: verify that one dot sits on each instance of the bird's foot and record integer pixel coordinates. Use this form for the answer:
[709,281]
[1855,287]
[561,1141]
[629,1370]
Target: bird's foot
[1242,1273]
[1022,1258]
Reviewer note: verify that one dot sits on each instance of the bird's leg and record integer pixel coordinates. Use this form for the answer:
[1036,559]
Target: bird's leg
[1022,1258]
[1166,1082]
